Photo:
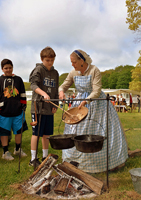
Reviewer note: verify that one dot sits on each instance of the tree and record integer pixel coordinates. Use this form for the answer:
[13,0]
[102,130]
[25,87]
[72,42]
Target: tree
[117,78]
[105,83]
[134,16]
[135,84]
[113,80]
[119,68]
[123,80]
[124,76]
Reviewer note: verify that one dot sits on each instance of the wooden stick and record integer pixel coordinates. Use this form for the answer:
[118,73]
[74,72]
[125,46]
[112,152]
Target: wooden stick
[42,164]
[72,116]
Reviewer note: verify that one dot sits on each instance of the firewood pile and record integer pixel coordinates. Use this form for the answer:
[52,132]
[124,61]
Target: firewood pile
[61,181]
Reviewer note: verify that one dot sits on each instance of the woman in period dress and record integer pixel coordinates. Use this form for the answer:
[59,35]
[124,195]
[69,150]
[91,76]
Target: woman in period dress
[87,80]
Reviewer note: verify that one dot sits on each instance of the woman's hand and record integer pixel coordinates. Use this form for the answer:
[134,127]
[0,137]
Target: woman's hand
[62,95]
[54,110]
[83,103]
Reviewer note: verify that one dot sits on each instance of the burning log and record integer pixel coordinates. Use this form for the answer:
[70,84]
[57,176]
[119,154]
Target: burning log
[62,185]
[39,183]
[48,186]
[69,183]
[76,183]
[95,184]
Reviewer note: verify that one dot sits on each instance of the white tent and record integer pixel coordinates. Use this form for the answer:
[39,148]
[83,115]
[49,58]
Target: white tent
[120,91]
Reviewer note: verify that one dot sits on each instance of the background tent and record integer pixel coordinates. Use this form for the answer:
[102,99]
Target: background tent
[125,94]
[119,91]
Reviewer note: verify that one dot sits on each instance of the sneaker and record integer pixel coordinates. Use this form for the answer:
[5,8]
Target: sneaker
[7,156]
[17,153]
[32,163]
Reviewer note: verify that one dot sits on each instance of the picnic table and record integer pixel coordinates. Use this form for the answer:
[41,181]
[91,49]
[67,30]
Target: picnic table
[120,106]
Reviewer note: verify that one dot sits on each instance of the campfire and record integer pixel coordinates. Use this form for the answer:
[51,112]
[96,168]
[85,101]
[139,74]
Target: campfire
[61,181]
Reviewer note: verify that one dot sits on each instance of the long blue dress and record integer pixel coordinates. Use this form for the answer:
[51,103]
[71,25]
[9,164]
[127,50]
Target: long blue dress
[95,124]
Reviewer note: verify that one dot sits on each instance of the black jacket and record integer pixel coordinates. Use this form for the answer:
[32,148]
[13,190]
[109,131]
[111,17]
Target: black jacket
[12,95]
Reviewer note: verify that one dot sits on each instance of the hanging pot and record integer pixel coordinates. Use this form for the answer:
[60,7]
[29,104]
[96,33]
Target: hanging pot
[62,141]
[89,143]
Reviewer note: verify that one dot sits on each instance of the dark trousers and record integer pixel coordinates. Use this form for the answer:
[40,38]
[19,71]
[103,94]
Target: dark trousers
[138,107]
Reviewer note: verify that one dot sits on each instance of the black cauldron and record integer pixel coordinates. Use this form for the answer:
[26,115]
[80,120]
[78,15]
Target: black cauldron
[62,141]
[88,143]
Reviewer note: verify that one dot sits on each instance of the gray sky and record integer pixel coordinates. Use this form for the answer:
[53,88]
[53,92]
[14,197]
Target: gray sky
[95,26]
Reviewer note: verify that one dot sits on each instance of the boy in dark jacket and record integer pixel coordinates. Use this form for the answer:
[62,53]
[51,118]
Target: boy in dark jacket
[44,81]
[12,104]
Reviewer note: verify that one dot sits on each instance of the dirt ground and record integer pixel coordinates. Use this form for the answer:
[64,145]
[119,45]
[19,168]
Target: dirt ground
[111,195]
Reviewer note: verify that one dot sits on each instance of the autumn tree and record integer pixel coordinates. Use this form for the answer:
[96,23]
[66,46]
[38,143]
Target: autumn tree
[135,84]
[134,16]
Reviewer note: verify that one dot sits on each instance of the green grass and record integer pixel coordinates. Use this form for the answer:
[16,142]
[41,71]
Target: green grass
[27,86]
[8,169]
[123,182]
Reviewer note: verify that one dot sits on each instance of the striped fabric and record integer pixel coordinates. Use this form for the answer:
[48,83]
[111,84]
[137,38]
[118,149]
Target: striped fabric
[96,124]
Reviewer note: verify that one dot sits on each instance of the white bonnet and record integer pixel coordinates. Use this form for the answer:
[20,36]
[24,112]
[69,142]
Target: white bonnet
[83,55]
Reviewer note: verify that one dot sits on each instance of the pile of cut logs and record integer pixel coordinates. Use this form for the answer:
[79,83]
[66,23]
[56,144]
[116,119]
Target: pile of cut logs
[61,181]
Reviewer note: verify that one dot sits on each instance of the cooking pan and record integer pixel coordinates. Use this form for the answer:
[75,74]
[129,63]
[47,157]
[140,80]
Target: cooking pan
[62,141]
[79,113]
[88,143]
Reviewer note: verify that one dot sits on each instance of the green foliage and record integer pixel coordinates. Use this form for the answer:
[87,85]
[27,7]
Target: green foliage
[119,68]
[118,78]
[113,80]
[107,72]
[62,77]
[105,83]
[124,78]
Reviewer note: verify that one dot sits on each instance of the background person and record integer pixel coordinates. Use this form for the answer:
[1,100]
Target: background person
[12,104]
[123,103]
[117,104]
[131,101]
[73,96]
[87,80]
[138,99]
[68,102]
[44,81]
[113,100]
